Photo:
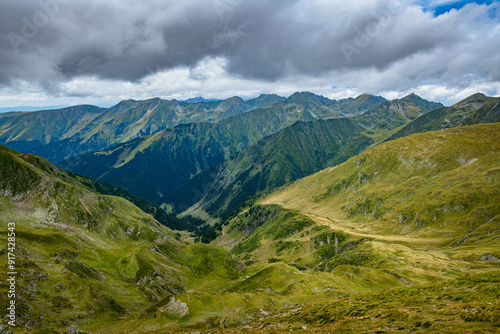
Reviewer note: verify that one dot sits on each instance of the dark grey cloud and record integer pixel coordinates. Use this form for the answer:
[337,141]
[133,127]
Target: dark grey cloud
[51,41]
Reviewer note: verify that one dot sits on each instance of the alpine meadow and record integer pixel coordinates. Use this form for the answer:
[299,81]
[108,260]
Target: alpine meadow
[235,166]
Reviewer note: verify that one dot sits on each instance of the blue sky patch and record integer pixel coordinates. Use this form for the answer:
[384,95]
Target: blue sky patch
[441,7]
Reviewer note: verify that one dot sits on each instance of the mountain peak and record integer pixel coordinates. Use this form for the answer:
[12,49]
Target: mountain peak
[305,94]
[411,97]
[267,96]
[300,97]
[424,104]
[235,99]
[199,99]
[265,100]
[366,96]
[478,97]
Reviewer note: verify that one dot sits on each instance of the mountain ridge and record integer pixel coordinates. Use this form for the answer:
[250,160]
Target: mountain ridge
[129,119]
[124,121]
[475,109]
[368,242]
[200,148]
[249,169]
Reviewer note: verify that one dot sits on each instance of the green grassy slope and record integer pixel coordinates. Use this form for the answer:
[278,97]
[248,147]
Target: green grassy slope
[418,215]
[466,305]
[93,261]
[441,187]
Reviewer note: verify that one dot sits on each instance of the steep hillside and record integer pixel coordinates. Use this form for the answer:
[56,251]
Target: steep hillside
[438,185]
[57,134]
[475,109]
[164,161]
[436,192]
[158,213]
[297,151]
[151,166]
[418,215]
[387,117]
[294,152]
[27,130]
[90,260]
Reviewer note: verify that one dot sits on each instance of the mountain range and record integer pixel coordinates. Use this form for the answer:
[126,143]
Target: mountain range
[176,155]
[63,133]
[314,215]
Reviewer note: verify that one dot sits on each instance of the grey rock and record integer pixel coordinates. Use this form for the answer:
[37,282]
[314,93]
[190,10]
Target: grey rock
[4,329]
[72,330]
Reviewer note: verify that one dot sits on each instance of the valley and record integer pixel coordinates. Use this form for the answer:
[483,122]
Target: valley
[362,215]
[254,167]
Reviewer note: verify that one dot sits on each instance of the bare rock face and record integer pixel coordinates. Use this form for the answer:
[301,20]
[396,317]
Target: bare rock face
[176,308]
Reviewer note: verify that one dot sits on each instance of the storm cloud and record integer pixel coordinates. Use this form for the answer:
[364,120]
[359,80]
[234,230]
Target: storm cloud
[386,44]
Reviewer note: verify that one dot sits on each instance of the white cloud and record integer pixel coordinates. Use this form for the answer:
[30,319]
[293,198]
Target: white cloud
[184,49]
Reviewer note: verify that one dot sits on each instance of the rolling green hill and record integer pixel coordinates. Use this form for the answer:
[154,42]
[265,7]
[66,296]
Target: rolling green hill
[441,186]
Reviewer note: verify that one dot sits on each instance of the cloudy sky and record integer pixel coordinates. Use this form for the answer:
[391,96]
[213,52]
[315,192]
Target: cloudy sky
[63,52]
